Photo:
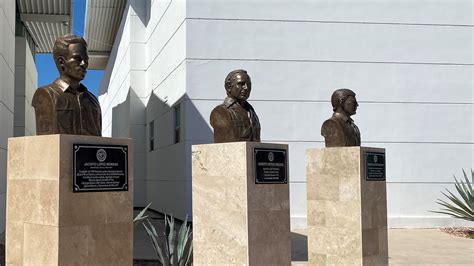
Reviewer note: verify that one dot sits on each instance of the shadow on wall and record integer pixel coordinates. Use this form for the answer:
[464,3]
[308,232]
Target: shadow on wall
[121,119]
[105,82]
[177,125]
[143,9]
[128,121]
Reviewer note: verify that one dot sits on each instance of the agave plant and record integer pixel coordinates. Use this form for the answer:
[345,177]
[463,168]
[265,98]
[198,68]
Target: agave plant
[461,206]
[173,247]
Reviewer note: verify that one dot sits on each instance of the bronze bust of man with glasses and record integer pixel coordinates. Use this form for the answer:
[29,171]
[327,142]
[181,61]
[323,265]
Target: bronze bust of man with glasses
[340,130]
[66,106]
[235,119]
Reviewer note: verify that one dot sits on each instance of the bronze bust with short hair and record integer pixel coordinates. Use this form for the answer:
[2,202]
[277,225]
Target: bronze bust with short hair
[340,130]
[235,119]
[66,106]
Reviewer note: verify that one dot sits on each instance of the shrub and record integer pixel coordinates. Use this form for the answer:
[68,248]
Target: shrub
[461,206]
[173,247]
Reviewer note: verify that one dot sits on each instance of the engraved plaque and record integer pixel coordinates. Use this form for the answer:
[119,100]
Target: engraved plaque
[374,166]
[271,166]
[99,168]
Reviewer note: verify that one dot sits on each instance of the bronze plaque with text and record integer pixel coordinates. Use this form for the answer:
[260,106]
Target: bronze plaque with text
[375,166]
[99,168]
[271,166]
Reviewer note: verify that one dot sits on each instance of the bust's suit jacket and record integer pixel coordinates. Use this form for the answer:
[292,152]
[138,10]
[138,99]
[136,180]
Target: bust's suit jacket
[234,122]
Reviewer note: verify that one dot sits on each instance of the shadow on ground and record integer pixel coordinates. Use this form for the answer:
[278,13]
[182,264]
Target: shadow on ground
[145,255]
[299,247]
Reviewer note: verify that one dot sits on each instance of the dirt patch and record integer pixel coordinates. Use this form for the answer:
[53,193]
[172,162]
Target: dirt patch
[466,232]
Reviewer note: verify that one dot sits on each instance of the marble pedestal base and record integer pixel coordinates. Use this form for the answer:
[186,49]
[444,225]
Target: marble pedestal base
[236,221]
[347,215]
[48,224]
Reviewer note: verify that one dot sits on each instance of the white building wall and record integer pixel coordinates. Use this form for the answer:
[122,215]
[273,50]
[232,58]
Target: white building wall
[410,63]
[168,167]
[26,82]
[7,70]
[145,72]
[121,91]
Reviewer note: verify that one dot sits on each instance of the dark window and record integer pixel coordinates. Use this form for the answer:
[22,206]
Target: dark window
[152,135]
[177,123]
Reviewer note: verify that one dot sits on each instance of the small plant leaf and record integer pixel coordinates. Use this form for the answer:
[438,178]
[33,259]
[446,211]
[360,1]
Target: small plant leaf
[141,216]
[173,247]
[451,206]
[457,202]
[172,242]
[181,237]
[189,258]
[155,244]
[462,190]
[461,206]
[167,232]
[153,230]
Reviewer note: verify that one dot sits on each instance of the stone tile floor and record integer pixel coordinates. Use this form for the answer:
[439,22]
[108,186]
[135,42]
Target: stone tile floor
[406,247]
[409,247]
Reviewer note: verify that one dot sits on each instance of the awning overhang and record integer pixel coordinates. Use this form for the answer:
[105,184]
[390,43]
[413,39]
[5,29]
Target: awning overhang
[46,20]
[103,19]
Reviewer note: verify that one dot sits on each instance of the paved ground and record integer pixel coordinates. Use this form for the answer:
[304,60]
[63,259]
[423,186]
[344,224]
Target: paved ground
[406,247]
[410,247]
[428,247]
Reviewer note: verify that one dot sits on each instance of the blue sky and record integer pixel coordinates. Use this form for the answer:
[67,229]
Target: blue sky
[47,71]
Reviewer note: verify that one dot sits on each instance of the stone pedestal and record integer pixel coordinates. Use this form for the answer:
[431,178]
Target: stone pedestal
[235,220]
[48,224]
[347,215]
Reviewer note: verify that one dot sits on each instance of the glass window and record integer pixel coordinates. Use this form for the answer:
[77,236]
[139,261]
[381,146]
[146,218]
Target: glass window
[152,135]
[177,123]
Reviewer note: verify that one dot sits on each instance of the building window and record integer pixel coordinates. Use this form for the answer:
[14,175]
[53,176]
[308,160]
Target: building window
[177,123]
[152,135]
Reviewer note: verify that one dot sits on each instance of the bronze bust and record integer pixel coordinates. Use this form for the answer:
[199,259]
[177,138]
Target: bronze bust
[235,119]
[66,106]
[340,130]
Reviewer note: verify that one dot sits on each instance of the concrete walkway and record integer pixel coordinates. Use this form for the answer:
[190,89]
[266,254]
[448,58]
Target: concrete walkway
[428,247]
[406,247]
[409,247]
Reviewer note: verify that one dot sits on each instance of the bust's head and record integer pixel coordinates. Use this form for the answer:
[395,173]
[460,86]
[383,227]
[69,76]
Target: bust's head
[344,101]
[238,85]
[70,56]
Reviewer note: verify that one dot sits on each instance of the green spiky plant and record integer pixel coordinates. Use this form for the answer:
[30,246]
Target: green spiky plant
[173,248]
[461,206]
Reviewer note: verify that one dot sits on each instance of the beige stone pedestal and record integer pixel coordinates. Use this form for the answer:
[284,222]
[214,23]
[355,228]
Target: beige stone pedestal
[48,224]
[236,221]
[347,215]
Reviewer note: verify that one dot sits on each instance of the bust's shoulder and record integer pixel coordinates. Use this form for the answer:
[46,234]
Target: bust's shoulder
[45,88]
[92,96]
[48,89]
[219,115]
[331,124]
[43,92]
[221,109]
[331,121]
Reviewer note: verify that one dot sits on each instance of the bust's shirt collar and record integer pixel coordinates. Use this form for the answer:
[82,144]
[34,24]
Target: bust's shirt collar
[229,101]
[344,117]
[64,86]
